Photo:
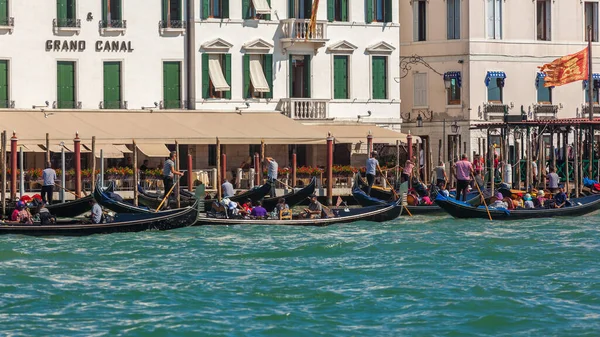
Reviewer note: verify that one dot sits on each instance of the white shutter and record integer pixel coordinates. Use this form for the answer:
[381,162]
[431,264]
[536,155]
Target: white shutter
[498,19]
[420,87]
[489,17]
[415,21]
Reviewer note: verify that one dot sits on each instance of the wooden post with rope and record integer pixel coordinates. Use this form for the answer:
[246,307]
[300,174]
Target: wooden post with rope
[482,197]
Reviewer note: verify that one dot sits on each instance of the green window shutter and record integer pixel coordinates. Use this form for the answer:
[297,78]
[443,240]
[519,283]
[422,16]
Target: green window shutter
[291,9]
[225,9]
[112,85]
[369,11]
[345,10]
[118,10]
[330,10]
[172,85]
[71,9]
[291,76]
[307,78]
[3,83]
[246,9]
[205,9]
[61,10]
[104,9]
[268,69]
[3,10]
[307,9]
[268,16]
[378,69]
[388,10]
[246,93]
[227,71]
[66,84]
[165,12]
[340,77]
[205,77]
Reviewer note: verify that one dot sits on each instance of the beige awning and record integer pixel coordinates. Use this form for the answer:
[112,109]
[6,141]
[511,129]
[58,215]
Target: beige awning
[257,75]
[29,148]
[215,72]
[57,148]
[123,148]
[154,150]
[108,150]
[261,6]
[357,133]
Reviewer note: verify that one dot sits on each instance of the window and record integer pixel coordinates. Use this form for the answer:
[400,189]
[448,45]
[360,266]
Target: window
[340,77]
[378,10]
[420,87]
[256,9]
[66,15]
[172,85]
[495,87]
[494,19]
[172,14]
[4,99]
[216,76]
[379,74]
[453,16]
[112,85]
[4,13]
[258,76]
[420,20]
[299,9]
[212,155]
[65,83]
[215,9]
[337,10]
[591,19]
[544,95]
[454,92]
[544,20]
[300,76]
[596,89]
[111,14]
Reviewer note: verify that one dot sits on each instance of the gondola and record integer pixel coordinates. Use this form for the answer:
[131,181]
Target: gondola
[293,198]
[378,213]
[457,209]
[153,200]
[121,223]
[363,199]
[121,207]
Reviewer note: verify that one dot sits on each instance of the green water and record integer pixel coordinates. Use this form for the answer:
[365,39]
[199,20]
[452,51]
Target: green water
[411,277]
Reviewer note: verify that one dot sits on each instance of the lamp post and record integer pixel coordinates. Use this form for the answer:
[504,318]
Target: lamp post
[62,171]
[455,128]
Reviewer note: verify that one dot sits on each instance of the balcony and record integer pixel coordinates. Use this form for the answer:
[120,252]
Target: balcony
[494,111]
[113,105]
[66,105]
[112,25]
[176,26]
[172,105]
[305,108]
[7,23]
[585,112]
[296,31]
[66,25]
[545,111]
[7,104]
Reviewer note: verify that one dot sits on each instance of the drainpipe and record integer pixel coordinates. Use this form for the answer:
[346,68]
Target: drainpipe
[190,53]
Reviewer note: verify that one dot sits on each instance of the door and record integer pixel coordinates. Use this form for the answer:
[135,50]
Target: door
[3,83]
[300,76]
[172,85]
[112,85]
[65,85]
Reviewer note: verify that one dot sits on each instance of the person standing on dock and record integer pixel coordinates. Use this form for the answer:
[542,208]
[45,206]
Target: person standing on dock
[553,180]
[535,172]
[371,170]
[169,172]
[48,176]
[463,170]
[272,173]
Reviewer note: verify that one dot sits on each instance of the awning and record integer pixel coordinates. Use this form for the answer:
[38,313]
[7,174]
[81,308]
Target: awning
[123,148]
[257,76]
[158,127]
[154,150]
[493,74]
[108,150]
[540,77]
[28,148]
[261,6]
[357,133]
[454,75]
[57,148]
[215,73]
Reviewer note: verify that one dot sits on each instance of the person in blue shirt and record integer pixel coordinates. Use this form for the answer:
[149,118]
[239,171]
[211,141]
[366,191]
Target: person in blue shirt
[371,170]
[560,198]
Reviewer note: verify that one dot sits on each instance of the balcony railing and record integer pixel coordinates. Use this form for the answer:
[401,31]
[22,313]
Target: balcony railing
[544,111]
[66,105]
[172,24]
[172,104]
[298,29]
[494,111]
[66,23]
[585,110]
[4,104]
[305,108]
[7,22]
[113,24]
[113,105]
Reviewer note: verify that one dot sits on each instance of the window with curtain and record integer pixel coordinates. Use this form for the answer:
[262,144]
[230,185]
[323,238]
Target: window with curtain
[420,20]
[494,90]
[544,95]
[454,92]
[494,19]
[543,20]
[378,10]
[337,10]
[453,16]
[591,19]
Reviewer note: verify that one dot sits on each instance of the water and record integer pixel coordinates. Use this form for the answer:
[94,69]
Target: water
[411,277]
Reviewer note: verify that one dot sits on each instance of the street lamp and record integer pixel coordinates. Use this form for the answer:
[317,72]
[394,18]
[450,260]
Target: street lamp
[455,128]
[419,121]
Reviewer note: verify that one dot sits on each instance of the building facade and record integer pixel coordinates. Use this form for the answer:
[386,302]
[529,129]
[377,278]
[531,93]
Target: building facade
[481,59]
[207,56]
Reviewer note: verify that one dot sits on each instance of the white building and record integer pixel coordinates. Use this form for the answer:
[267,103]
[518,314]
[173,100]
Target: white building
[251,55]
[489,53]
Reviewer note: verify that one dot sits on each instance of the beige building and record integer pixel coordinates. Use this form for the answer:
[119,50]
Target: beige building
[484,57]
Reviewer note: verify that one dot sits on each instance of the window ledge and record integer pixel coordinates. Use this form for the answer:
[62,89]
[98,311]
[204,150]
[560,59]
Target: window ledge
[113,29]
[68,29]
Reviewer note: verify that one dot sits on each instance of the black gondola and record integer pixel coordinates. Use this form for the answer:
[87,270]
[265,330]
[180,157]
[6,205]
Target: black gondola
[121,207]
[461,210]
[363,199]
[121,223]
[379,213]
[293,198]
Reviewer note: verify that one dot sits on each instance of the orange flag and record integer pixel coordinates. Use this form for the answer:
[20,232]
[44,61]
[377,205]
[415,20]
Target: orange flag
[312,24]
[566,69]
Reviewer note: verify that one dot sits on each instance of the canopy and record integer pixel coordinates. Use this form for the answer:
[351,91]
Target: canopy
[215,73]
[154,150]
[261,6]
[257,76]
[159,127]
[27,148]
[356,133]
[108,150]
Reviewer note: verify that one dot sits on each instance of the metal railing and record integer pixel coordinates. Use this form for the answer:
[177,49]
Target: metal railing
[494,111]
[305,108]
[118,24]
[7,22]
[6,104]
[172,24]
[172,104]
[544,111]
[66,105]
[113,105]
[66,23]
[298,29]
[585,109]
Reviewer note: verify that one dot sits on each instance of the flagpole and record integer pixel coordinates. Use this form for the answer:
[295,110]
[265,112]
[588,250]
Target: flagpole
[591,90]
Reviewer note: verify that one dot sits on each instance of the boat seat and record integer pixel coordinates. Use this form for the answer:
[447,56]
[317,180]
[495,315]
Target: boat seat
[285,214]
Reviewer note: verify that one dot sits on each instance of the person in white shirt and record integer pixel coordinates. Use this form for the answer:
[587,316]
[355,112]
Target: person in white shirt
[49,176]
[371,170]
[272,168]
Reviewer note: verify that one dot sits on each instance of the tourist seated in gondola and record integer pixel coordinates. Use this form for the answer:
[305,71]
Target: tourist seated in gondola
[21,214]
[283,210]
[258,211]
[541,199]
[246,207]
[44,216]
[498,202]
[528,201]
[560,198]
[96,215]
[314,210]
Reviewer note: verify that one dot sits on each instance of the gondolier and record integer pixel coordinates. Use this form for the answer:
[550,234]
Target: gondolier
[169,172]
[49,176]
[463,173]
[272,173]
[371,170]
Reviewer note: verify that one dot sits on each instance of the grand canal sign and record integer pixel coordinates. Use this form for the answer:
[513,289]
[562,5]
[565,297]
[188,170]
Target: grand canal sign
[79,46]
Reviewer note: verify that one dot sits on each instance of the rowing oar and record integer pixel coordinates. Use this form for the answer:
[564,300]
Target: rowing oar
[67,190]
[482,197]
[394,190]
[284,184]
[166,196]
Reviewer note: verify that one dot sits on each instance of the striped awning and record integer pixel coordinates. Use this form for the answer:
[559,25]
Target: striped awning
[493,74]
[454,75]
[257,75]
[215,72]
[595,77]
[539,77]
[261,7]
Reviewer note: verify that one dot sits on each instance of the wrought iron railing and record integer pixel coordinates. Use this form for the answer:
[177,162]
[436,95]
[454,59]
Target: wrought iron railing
[113,105]
[119,24]
[5,104]
[7,22]
[172,104]
[66,23]
[544,111]
[172,24]
[494,111]
[66,105]
[305,108]
[585,109]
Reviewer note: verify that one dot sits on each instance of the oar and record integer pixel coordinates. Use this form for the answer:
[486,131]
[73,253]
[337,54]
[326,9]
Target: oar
[482,197]
[166,196]
[393,190]
[284,184]
[66,190]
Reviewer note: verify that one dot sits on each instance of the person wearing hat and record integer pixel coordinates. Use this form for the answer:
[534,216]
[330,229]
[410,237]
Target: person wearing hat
[21,214]
[169,172]
[314,209]
[541,198]
[499,203]
[371,170]
[528,201]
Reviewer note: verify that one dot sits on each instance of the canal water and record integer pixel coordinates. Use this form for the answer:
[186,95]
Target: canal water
[411,277]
